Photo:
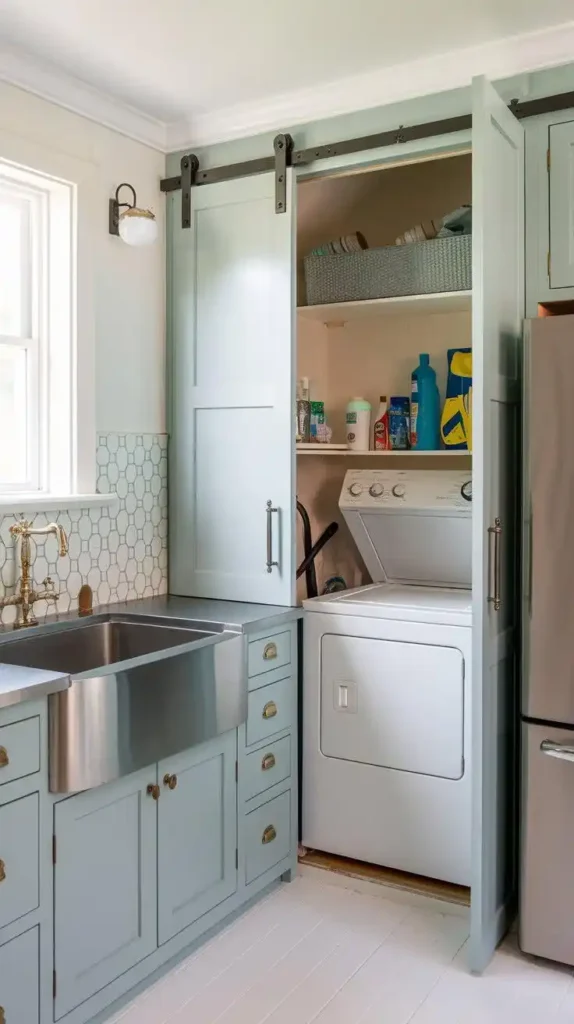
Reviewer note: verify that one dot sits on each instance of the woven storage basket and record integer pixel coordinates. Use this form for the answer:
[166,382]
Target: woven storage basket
[441,265]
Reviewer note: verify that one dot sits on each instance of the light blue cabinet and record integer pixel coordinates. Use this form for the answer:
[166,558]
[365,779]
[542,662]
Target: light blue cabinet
[197,833]
[561,148]
[19,981]
[104,886]
[19,885]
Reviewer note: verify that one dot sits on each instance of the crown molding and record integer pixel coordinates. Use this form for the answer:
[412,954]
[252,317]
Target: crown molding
[503,58]
[50,83]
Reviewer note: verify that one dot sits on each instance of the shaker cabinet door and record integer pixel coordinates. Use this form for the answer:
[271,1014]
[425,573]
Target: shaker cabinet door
[19,980]
[197,833]
[561,144]
[104,886]
[232,450]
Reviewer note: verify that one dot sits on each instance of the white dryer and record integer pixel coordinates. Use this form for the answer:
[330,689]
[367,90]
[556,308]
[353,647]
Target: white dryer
[386,704]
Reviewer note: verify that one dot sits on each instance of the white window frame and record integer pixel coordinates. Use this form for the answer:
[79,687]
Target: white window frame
[63,331]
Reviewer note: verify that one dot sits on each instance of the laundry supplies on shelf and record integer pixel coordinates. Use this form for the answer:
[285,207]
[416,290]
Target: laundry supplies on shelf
[358,419]
[425,407]
[456,421]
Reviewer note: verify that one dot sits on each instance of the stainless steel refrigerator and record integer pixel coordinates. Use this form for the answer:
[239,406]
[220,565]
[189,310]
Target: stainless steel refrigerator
[546,926]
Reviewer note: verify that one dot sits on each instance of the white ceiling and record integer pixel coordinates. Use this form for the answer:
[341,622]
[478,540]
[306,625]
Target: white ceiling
[190,64]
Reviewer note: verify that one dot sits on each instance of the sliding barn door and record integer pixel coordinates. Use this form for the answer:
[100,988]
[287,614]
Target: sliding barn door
[498,309]
[232,490]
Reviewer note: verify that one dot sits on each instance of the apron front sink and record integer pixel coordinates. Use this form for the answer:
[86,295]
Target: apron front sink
[140,691]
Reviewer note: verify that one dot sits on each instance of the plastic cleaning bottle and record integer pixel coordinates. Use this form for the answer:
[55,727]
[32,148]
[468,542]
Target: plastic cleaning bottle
[381,428]
[425,407]
[358,424]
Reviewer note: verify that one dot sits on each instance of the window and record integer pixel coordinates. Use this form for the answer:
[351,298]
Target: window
[37,351]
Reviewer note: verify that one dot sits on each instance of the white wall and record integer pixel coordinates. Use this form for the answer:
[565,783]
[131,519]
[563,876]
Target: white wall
[129,285]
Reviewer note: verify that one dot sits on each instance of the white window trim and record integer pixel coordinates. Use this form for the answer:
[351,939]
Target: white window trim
[82,176]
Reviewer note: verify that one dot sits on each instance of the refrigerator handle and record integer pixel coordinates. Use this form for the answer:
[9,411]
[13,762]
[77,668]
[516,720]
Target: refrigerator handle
[559,750]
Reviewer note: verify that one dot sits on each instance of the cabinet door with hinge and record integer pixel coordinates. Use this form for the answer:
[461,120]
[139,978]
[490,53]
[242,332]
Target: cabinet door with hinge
[497,311]
[197,833]
[105,911]
[232,367]
[561,198]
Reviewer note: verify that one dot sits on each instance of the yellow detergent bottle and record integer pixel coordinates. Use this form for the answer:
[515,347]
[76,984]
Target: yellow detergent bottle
[456,420]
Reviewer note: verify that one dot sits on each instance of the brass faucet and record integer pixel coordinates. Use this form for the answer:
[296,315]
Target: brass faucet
[28,595]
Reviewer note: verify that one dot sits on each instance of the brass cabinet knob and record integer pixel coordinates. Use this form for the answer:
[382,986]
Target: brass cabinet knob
[270,709]
[170,780]
[4,760]
[153,790]
[2,1015]
[269,834]
[267,762]
[2,871]
[269,652]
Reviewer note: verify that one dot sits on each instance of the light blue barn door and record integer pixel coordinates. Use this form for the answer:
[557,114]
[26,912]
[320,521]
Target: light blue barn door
[232,366]
[498,310]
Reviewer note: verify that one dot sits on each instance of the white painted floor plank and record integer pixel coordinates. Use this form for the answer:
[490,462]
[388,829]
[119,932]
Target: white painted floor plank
[317,953]
[514,989]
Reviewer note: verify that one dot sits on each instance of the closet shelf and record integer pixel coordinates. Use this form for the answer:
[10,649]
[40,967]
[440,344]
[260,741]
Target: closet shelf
[334,313]
[315,450]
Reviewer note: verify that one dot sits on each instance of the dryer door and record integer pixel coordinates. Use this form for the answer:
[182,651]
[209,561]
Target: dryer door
[393,704]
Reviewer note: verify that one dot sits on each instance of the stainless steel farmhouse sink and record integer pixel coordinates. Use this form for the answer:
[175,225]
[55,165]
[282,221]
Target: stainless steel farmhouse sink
[140,690]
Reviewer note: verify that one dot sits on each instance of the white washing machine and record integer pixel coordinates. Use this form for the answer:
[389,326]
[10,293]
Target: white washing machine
[387,681]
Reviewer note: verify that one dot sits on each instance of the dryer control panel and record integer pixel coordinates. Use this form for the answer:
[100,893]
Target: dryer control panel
[416,489]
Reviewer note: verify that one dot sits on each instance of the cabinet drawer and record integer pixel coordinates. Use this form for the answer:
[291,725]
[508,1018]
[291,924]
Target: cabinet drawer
[268,710]
[266,767]
[271,652]
[18,858]
[267,836]
[19,979]
[19,749]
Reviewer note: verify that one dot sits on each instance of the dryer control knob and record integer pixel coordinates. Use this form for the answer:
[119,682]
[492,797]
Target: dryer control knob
[355,490]
[376,490]
[399,491]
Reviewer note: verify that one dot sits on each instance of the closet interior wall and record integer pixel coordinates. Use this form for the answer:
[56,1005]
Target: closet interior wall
[370,356]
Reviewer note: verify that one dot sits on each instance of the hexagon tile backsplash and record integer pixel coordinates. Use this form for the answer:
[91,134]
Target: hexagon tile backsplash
[121,556]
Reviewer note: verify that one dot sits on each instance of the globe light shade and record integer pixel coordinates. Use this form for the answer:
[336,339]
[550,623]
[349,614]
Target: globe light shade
[137,227]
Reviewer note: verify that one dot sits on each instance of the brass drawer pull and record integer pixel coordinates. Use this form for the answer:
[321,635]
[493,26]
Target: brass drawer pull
[4,760]
[268,762]
[269,834]
[2,1015]
[170,780]
[269,652]
[2,871]
[153,790]
[270,709]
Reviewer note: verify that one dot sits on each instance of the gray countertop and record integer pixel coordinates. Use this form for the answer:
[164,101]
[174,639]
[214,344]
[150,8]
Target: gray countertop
[19,684]
[234,615]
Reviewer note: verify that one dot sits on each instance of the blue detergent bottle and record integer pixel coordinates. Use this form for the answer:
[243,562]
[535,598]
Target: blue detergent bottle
[425,407]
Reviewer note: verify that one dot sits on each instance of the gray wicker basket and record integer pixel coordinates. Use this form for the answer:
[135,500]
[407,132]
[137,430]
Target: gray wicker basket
[421,268]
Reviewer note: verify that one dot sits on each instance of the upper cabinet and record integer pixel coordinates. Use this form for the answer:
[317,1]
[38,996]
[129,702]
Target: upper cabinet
[549,177]
[561,200]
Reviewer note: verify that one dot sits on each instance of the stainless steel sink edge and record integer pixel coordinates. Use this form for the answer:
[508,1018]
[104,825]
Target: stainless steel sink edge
[164,654]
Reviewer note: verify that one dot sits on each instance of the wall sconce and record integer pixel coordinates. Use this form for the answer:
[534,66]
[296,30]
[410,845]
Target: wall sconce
[134,226]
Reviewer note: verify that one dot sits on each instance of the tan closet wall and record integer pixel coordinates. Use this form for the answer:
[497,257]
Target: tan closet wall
[381,204]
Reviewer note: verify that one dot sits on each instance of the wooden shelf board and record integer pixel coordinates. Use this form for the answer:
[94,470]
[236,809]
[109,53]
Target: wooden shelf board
[334,313]
[383,455]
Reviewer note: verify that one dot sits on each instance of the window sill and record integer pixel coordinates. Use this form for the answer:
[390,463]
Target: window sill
[15,503]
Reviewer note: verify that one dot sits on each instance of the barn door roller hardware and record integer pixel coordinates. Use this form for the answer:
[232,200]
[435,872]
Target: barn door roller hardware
[286,156]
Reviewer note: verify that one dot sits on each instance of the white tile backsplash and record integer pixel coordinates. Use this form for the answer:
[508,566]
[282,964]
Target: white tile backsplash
[121,556]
